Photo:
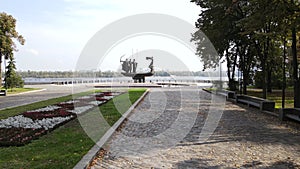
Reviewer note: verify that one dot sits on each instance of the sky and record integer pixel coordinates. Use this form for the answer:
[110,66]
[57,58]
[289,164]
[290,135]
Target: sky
[56,31]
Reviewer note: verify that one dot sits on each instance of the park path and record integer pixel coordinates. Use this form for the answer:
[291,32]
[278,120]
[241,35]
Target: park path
[166,130]
[49,92]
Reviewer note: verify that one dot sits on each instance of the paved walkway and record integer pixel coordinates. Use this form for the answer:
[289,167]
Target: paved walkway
[51,91]
[170,127]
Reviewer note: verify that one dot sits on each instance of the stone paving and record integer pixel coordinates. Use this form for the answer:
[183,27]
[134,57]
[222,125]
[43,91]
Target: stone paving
[170,127]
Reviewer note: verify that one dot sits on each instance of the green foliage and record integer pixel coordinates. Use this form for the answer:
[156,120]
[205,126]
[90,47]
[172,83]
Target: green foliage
[276,96]
[65,146]
[248,33]
[276,81]
[8,34]
[12,79]
[20,90]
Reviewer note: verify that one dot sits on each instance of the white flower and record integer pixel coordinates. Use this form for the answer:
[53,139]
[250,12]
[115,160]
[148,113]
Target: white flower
[85,97]
[48,123]
[48,108]
[108,97]
[25,122]
[79,110]
[96,103]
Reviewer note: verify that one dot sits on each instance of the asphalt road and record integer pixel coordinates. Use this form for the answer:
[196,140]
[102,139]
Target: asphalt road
[47,92]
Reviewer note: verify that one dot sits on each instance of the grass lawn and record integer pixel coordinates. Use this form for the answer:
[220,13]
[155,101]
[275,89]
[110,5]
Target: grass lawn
[276,96]
[65,146]
[17,110]
[19,90]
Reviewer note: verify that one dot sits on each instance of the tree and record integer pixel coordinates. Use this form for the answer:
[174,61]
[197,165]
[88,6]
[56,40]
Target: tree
[12,79]
[279,17]
[252,30]
[219,20]
[221,31]
[8,34]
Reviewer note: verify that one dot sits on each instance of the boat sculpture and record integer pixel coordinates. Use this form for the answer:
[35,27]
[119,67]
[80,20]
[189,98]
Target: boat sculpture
[129,70]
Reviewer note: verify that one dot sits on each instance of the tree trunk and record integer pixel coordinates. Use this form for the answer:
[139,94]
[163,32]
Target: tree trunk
[283,74]
[264,64]
[232,85]
[245,81]
[230,74]
[269,80]
[264,78]
[295,70]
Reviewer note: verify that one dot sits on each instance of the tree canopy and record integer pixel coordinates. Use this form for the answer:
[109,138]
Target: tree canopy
[8,36]
[249,35]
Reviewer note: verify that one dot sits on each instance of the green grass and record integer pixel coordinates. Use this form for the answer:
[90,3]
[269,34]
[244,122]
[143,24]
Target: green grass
[65,146]
[17,110]
[112,111]
[19,90]
[276,96]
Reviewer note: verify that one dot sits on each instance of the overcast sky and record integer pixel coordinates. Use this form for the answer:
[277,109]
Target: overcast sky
[56,31]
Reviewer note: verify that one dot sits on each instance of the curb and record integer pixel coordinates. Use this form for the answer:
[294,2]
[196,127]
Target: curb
[86,159]
[21,94]
[33,91]
[206,90]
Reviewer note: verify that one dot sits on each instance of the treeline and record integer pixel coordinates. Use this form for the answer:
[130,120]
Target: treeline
[258,38]
[92,74]
[67,74]
[190,73]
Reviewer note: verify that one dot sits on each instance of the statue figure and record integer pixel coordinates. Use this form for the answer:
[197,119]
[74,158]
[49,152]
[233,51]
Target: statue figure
[134,66]
[151,63]
[125,65]
[130,69]
[130,66]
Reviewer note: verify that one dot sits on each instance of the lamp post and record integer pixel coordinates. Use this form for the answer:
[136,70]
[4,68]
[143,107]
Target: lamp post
[220,64]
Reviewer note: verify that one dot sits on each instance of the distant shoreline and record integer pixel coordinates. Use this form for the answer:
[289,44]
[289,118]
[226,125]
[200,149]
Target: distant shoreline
[187,79]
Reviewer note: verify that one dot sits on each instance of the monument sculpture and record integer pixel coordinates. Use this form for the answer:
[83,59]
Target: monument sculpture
[129,69]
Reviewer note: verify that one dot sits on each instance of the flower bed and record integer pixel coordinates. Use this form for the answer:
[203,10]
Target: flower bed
[67,106]
[62,112]
[102,99]
[18,136]
[21,129]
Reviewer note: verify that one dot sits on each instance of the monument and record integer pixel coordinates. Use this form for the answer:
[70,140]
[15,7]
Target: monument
[129,69]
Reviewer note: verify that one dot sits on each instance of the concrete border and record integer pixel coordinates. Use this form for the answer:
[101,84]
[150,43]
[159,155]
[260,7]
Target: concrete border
[32,91]
[86,159]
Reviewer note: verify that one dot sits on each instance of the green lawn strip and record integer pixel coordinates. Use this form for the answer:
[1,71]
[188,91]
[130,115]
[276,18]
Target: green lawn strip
[5,113]
[275,96]
[65,146]
[62,148]
[19,90]
[112,111]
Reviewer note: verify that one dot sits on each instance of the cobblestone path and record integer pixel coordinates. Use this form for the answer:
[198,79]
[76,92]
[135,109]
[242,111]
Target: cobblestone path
[168,130]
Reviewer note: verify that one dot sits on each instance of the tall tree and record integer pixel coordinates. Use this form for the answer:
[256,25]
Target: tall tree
[221,31]
[252,30]
[12,79]
[8,34]
[219,20]
[295,15]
